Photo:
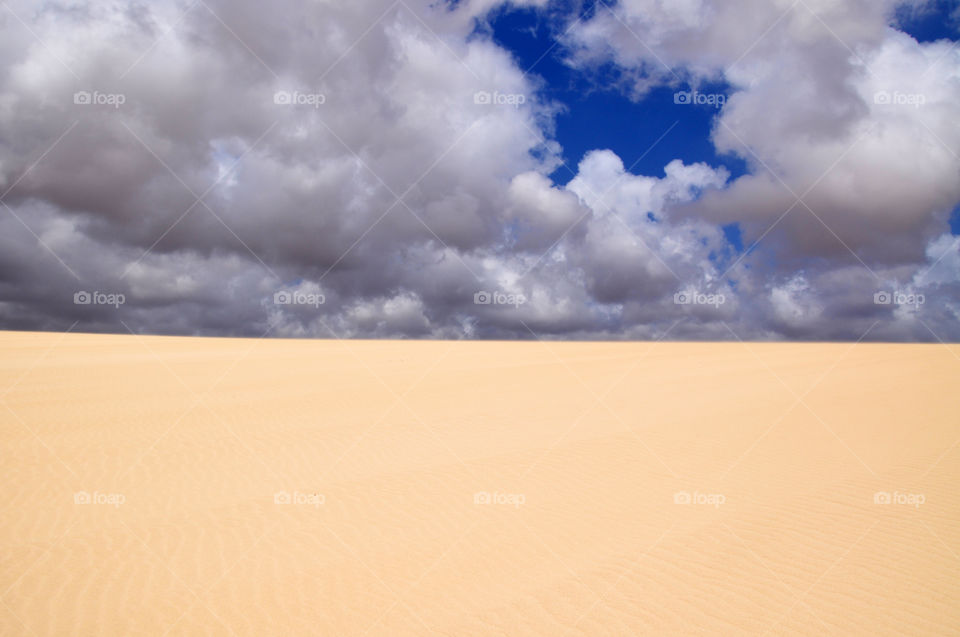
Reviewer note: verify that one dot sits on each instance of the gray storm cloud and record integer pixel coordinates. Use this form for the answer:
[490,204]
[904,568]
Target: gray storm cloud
[365,170]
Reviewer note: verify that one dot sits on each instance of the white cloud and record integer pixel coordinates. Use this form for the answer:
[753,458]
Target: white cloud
[304,195]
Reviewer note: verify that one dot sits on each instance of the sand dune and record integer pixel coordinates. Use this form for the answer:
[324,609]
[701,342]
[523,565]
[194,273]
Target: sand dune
[175,486]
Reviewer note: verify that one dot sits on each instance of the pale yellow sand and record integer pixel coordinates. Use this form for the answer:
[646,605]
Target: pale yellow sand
[184,444]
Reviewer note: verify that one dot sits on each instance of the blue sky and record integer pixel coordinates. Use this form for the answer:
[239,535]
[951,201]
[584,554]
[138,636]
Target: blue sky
[937,20]
[650,132]
[596,113]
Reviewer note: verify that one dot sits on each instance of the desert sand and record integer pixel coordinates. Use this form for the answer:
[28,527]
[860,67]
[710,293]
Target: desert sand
[192,486]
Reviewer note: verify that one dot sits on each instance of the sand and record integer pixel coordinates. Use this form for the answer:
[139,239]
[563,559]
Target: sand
[186,486]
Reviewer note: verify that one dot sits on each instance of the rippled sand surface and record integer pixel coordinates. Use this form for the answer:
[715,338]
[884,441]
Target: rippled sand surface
[179,486]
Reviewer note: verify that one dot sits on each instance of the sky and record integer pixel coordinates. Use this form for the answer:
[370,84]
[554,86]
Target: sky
[642,169]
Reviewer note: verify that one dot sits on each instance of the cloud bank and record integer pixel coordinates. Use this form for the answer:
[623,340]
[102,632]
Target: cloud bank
[364,170]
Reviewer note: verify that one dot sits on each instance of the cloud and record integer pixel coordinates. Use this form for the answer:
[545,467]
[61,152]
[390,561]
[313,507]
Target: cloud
[845,123]
[201,158]
[827,104]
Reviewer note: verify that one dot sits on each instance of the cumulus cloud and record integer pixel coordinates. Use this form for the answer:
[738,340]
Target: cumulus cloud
[201,158]
[846,124]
